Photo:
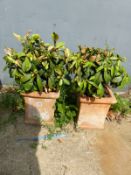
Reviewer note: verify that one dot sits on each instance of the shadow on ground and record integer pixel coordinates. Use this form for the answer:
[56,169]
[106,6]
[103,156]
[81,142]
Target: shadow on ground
[17,157]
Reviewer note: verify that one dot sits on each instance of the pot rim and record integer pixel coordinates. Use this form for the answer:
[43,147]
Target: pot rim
[49,95]
[104,100]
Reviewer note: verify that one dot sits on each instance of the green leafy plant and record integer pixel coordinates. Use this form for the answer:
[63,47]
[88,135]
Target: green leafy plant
[89,71]
[123,105]
[39,66]
[66,107]
[95,68]
[45,67]
[12,103]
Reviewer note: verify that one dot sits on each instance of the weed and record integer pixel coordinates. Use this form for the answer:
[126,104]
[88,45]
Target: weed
[34,145]
[12,101]
[11,105]
[66,108]
[123,105]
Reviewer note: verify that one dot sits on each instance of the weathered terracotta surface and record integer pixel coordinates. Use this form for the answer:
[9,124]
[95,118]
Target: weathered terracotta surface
[39,108]
[93,111]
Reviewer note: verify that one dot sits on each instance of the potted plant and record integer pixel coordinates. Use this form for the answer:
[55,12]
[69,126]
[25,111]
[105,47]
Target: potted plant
[38,70]
[94,71]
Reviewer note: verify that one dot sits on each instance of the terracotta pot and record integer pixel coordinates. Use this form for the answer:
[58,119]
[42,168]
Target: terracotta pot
[93,111]
[39,108]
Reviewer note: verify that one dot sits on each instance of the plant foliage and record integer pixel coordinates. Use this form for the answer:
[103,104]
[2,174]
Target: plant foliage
[94,68]
[45,67]
[123,105]
[13,104]
[39,66]
[12,101]
[66,107]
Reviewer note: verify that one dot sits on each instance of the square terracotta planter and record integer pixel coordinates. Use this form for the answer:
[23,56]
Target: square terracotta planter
[93,111]
[39,108]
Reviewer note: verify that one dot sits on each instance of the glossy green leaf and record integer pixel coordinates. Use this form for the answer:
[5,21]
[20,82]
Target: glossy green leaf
[58,71]
[30,56]
[60,82]
[50,83]
[44,83]
[50,48]
[21,54]
[100,90]
[80,84]
[34,88]
[28,86]
[45,64]
[90,89]
[89,64]
[67,82]
[107,77]
[93,83]
[35,36]
[84,84]
[117,73]
[125,81]
[60,108]
[13,72]
[25,78]
[10,59]
[26,66]
[98,78]
[100,68]
[60,45]
[41,72]
[112,71]
[18,74]
[114,58]
[117,79]
[92,78]
[39,83]
[36,53]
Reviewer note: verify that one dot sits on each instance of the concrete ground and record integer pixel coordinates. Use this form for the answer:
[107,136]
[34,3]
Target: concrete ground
[90,152]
